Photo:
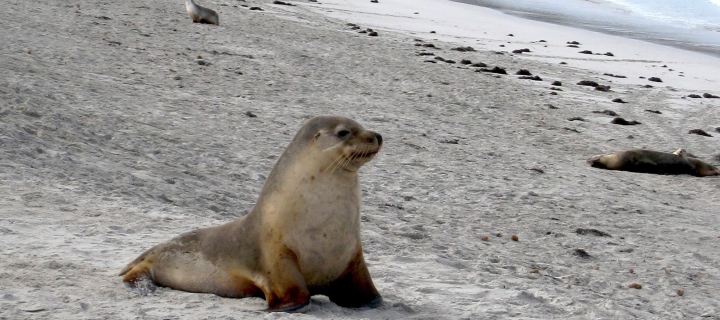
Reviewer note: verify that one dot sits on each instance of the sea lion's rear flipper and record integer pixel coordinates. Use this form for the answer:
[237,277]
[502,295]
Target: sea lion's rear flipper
[286,291]
[142,284]
[354,288]
[137,275]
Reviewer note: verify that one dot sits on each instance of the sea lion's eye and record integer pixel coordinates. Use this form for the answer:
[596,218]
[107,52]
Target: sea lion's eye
[342,134]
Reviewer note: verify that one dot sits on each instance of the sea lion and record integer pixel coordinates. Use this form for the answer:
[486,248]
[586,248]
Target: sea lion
[301,238]
[201,14]
[648,161]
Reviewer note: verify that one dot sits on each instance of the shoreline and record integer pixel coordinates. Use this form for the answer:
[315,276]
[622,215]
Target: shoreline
[644,33]
[458,22]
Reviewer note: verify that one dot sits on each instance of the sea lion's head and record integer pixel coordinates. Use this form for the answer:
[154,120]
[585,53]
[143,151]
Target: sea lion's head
[343,141]
[325,145]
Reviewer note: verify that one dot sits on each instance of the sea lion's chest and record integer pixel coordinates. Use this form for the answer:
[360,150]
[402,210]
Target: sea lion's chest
[322,226]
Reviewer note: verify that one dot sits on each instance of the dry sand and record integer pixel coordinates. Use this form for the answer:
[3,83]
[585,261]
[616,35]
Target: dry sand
[115,135]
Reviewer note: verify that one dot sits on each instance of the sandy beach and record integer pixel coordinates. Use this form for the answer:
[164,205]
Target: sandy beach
[123,124]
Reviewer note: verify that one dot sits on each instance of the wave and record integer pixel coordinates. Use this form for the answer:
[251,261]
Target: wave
[700,14]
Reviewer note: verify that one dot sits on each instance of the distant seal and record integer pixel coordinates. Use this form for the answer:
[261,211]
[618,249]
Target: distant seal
[648,161]
[201,14]
[301,238]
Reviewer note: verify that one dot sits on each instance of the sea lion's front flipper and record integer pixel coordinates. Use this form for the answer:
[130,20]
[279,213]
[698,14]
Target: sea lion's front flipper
[287,291]
[354,288]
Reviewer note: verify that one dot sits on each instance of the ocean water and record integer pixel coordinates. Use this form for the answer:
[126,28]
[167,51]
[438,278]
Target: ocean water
[688,24]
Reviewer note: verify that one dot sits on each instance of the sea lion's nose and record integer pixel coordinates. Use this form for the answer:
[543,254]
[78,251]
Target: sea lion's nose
[379,138]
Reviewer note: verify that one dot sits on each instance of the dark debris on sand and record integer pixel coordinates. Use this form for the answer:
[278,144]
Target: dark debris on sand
[593,232]
[602,88]
[463,49]
[614,75]
[588,83]
[699,132]
[581,253]
[607,112]
[624,122]
[495,69]
[534,78]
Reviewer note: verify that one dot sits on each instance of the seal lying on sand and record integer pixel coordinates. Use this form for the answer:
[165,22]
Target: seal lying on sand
[201,14]
[648,161]
[301,238]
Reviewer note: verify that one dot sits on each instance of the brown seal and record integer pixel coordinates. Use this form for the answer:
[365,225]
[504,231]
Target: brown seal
[648,161]
[201,14]
[302,237]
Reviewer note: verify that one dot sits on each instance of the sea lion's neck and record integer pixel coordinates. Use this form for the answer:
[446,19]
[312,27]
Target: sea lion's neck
[308,177]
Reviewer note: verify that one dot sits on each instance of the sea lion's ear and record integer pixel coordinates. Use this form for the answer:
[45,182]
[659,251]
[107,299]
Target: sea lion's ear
[317,135]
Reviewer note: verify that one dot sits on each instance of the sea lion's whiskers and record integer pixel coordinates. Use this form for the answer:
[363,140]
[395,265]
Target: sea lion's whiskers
[366,151]
[345,160]
[348,159]
[340,164]
[333,163]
